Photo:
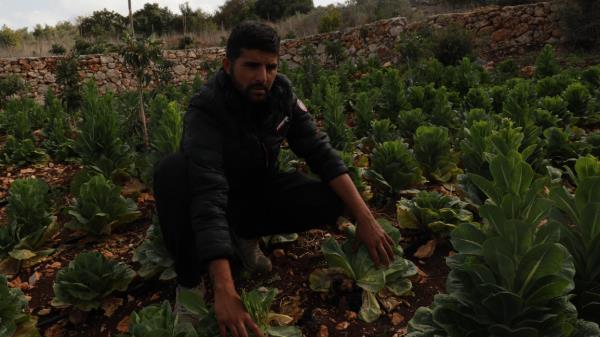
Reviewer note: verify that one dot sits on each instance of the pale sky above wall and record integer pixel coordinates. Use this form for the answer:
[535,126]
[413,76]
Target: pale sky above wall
[27,13]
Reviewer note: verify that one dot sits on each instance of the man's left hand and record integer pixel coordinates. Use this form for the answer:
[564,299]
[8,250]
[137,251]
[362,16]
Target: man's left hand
[379,244]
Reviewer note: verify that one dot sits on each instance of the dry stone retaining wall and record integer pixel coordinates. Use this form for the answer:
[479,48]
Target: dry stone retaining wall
[510,28]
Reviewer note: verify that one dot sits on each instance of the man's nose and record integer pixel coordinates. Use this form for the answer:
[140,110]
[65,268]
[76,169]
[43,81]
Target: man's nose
[261,75]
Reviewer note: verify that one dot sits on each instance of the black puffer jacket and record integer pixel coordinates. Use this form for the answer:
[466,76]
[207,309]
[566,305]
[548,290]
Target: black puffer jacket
[231,146]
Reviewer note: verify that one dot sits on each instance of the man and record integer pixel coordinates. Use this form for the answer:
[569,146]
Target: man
[223,191]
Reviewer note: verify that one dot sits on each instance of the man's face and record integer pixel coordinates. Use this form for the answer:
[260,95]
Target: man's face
[253,73]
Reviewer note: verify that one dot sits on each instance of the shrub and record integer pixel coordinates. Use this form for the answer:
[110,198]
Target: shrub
[581,19]
[99,207]
[432,151]
[546,64]
[58,130]
[57,49]
[10,85]
[88,279]
[185,42]
[478,98]
[335,51]
[451,44]
[394,167]
[552,86]
[415,46]
[330,21]
[432,212]
[98,142]
[12,312]
[335,120]
[392,96]
[30,224]
[505,70]
[577,97]
[20,152]
[168,130]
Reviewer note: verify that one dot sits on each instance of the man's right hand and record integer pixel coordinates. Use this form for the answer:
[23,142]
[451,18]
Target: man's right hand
[232,316]
[229,309]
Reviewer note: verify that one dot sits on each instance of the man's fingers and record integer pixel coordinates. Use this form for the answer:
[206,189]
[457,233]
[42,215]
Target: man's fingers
[374,256]
[255,329]
[242,329]
[222,330]
[233,330]
[390,250]
[383,254]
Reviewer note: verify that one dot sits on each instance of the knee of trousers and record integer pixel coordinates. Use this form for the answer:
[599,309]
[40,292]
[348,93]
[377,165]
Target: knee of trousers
[170,171]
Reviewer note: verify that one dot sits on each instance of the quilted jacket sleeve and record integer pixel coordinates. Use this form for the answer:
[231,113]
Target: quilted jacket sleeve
[202,145]
[313,145]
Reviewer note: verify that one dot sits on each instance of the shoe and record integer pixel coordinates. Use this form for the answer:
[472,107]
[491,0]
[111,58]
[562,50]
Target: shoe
[253,259]
[184,315]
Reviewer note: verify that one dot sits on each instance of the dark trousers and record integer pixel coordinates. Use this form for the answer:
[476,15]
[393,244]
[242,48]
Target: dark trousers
[284,203]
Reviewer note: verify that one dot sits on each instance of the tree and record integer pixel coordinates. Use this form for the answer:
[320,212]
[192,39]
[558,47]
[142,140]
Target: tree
[8,38]
[275,10]
[234,12]
[139,56]
[153,19]
[103,23]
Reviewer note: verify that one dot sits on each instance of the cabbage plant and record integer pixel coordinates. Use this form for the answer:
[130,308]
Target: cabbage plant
[394,167]
[30,224]
[153,256]
[432,151]
[358,266]
[99,207]
[433,212]
[580,233]
[159,321]
[511,276]
[88,279]
[14,321]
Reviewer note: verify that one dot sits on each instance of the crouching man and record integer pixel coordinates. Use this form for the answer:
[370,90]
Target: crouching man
[224,190]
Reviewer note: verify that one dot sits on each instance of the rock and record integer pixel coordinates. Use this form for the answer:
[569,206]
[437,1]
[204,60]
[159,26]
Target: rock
[397,319]
[179,69]
[323,331]
[350,315]
[501,35]
[342,326]
[279,253]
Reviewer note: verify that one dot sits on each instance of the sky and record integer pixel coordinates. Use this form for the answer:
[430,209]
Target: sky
[27,13]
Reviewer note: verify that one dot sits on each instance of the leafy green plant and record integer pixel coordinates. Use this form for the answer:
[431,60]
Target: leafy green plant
[474,146]
[580,233]
[335,121]
[556,106]
[69,81]
[392,98]
[519,104]
[559,147]
[13,319]
[98,141]
[257,302]
[99,207]
[510,276]
[364,108]
[9,86]
[88,279]
[159,320]
[409,121]
[394,167]
[593,140]
[432,151]
[591,76]
[169,128]
[20,152]
[58,131]
[383,130]
[577,97]
[546,64]
[478,98]
[30,224]
[357,266]
[438,107]
[153,257]
[433,212]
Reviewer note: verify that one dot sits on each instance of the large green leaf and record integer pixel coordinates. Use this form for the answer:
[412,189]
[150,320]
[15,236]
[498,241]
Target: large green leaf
[542,260]
[503,306]
[336,257]
[284,331]
[468,239]
[499,256]
[370,310]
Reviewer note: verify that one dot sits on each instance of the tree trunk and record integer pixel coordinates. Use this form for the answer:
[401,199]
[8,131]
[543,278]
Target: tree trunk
[130,19]
[143,117]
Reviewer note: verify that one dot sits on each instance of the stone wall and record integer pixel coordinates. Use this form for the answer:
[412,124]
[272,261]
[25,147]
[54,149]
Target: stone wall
[510,28]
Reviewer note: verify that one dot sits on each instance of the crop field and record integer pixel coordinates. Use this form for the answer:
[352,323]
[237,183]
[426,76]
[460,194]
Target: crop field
[488,180]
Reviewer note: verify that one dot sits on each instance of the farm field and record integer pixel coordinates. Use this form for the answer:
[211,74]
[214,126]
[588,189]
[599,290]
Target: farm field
[488,180]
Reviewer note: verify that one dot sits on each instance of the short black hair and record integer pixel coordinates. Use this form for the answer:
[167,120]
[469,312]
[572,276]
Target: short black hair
[251,35]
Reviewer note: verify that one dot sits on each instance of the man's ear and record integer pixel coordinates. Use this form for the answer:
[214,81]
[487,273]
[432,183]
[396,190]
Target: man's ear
[227,66]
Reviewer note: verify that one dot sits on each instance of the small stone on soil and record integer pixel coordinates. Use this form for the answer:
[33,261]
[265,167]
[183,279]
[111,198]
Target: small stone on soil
[279,253]
[350,315]
[323,331]
[342,326]
[397,319]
